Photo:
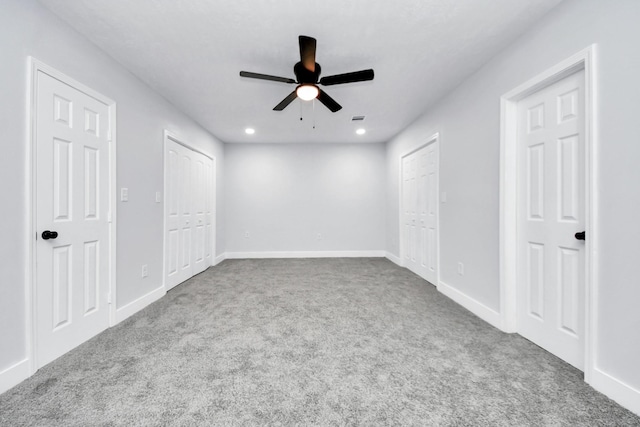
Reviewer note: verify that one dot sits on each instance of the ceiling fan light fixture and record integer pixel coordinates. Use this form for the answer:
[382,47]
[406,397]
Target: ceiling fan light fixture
[307,92]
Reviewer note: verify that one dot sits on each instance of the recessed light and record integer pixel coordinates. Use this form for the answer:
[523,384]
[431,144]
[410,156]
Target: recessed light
[249,131]
[361,131]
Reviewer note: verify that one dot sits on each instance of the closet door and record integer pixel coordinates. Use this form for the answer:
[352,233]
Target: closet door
[208,213]
[419,211]
[178,214]
[199,226]
[188,213]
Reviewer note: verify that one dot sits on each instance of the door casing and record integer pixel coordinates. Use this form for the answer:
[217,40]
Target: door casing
[583,60]
[35,67]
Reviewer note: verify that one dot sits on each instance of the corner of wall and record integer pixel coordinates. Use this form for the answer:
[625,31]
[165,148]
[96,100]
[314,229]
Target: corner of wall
[615,389]
[487,314]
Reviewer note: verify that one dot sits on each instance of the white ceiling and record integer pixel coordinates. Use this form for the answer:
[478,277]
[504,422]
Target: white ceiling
[192,51]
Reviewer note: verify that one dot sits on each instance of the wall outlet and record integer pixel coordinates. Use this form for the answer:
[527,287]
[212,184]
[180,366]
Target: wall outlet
[124,194]
[461,269]
[319,236]
[246,234]
[145,270]
[158,197]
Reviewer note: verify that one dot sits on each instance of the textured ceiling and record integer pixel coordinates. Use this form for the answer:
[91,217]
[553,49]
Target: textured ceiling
[191,53]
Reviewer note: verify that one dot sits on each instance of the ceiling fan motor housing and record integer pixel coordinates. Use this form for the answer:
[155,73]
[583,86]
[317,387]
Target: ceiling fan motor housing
[305,76]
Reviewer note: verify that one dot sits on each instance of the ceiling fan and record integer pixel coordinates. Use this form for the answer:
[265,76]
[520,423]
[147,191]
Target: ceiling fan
[307,72]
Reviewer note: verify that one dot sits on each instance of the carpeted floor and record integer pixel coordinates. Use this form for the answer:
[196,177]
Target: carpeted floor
[308,342]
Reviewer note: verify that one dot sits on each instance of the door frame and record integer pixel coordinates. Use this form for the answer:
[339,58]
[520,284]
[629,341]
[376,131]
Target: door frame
[34,67]
[170,136]
[433,139]
[583,60]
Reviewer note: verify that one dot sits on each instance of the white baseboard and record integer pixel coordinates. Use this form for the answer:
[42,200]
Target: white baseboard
[217,260]
[487,314]
[305,254]
[14,375]
[135,306]
[394,259]
[615,389]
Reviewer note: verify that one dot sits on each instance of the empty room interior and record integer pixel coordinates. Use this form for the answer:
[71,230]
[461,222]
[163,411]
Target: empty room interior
[421,212]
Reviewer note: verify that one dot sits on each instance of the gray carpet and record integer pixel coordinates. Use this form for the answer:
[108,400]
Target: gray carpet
[308,342]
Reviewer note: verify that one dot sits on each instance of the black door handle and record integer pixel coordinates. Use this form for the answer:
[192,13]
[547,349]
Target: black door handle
[46,235]
[580,235]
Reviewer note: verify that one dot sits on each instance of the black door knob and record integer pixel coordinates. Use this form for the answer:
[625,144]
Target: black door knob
[580,235]
[46,235]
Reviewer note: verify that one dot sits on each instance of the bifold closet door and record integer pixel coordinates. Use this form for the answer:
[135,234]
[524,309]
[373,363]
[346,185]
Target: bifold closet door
[419,211]
[188,213]
[202,221]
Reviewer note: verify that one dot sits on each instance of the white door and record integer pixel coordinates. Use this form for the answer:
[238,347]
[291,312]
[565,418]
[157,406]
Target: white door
[420,221]
[202,226]
[409,209]
[72,217]
[188,213]
[551,210]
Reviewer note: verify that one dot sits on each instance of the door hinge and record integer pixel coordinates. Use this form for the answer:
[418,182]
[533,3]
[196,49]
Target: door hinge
[109,217]
[109,298]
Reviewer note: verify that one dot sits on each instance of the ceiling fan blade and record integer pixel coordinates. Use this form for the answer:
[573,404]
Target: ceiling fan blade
[308,52]
[356,76]
[266,77]
[288,100]
[328,101]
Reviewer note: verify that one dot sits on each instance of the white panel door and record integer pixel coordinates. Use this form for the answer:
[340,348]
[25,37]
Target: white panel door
[200,189]
[427,211]
[419,211]
[188,213]
[72,218]
[178,209]
[409,209]
[208,215]
[551,210]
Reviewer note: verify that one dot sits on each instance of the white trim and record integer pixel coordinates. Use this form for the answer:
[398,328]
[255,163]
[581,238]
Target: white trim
[617,390]
[168,135]
[487,314]
[14,375]
[31,311]
[172,136]
[433,139]
[135,306]
[305,254]
[217,260]
[113,189]
[394,259]
[583,60]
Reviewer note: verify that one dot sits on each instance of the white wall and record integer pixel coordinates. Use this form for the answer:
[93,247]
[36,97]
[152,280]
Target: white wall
[28,29]
[284,194]
[468,120]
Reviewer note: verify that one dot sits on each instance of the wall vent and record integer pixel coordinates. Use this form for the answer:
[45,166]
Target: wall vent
[357,118]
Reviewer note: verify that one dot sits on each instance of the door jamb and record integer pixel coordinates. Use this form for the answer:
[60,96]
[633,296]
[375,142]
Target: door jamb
[168,135]
[435,138]
[583,60]
[31,312]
